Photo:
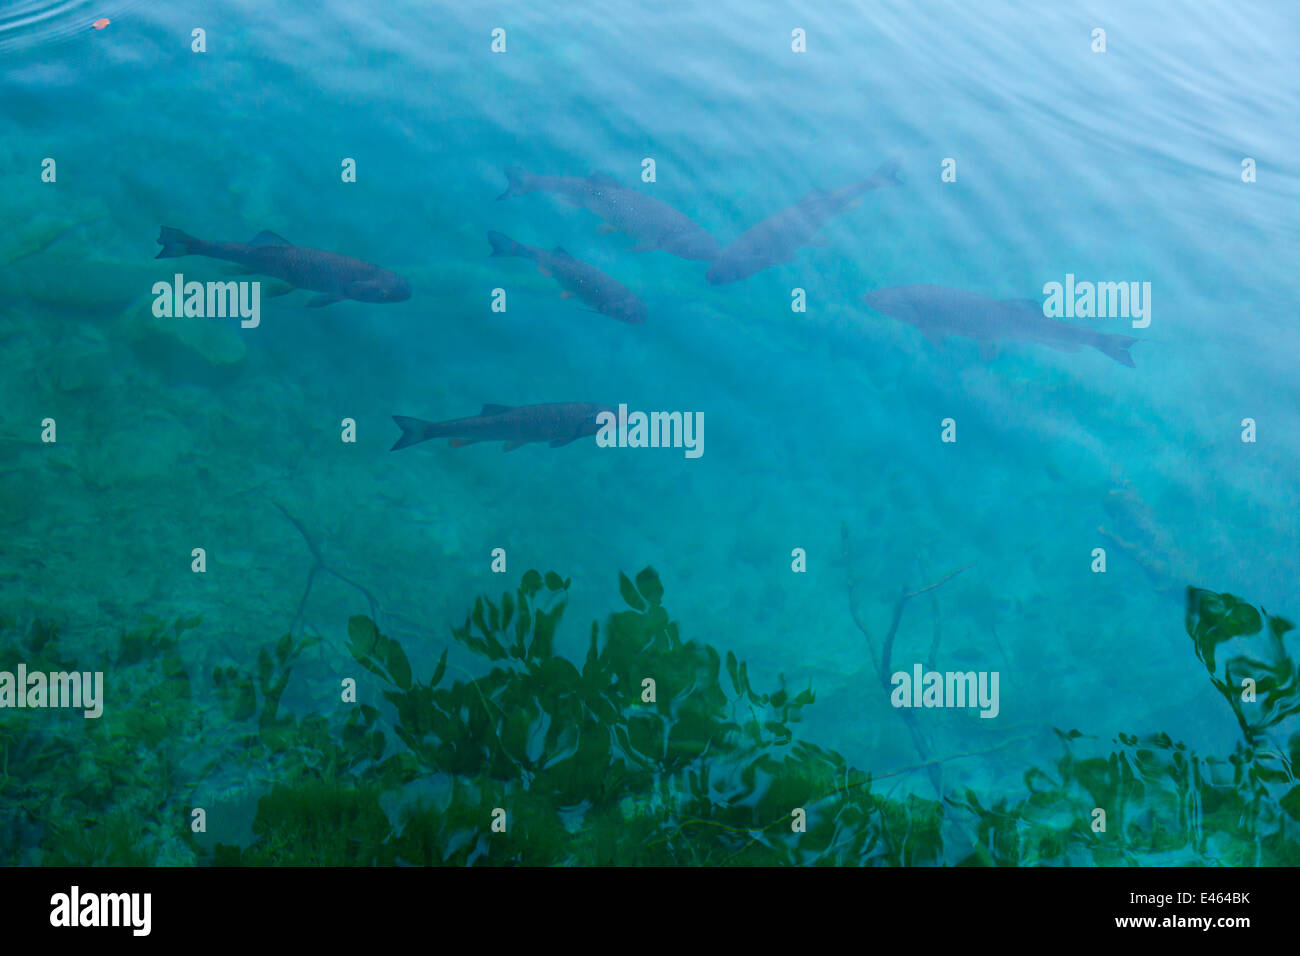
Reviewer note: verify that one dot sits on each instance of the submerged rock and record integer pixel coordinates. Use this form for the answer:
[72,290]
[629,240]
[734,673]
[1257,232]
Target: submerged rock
[216,342]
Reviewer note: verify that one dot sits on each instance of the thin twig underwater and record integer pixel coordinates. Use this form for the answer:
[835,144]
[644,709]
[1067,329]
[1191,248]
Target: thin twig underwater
[880,656]
[318,564]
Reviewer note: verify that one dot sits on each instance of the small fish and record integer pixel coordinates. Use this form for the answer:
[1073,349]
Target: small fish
[557,423]
[653,224]
[777,238]
[605,295]
[1144,538]
[101,23]
[338,277]
[940,312]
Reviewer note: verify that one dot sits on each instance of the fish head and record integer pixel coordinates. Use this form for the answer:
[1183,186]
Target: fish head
[634,311]
[626,308]
[389,288]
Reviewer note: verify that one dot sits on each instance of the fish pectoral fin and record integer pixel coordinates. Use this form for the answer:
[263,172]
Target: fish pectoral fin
[494,409]
[605,229]
[462,442]
[512,445]
[561,442]
[566,294]
[644,247]
[934,336]
[276,289]
[543,270]
[323,300]
[603,178]
[267,238]
[238,271]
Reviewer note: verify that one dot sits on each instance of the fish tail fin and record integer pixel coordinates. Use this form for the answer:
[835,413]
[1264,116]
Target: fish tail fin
[886,173]
[174,242]
[414,431]
[518,182]
[1117,346]
[503,245]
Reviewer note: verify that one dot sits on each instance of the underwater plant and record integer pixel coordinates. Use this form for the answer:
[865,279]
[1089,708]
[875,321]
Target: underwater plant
[652,749]
[109,790]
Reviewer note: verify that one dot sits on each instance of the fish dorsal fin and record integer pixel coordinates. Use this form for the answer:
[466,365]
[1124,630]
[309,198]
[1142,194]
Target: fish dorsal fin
[267,238]
[494,409]
[603,178]
[560,251]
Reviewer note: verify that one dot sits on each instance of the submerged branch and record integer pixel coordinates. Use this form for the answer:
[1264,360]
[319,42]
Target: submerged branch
[881,658]
[319,564]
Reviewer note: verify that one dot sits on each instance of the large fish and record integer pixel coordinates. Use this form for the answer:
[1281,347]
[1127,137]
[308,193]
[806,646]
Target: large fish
[653,224]
[337,277]
[940,312]
[777,238]
[558,423]
[605,295]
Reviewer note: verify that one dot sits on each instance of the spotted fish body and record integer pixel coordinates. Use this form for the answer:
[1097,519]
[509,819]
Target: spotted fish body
[940,312]
[336,277]
[653,224]
[579,279]
[557,423]
[777,238]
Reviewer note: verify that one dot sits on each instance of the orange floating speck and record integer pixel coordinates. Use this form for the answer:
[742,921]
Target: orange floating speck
[101,23]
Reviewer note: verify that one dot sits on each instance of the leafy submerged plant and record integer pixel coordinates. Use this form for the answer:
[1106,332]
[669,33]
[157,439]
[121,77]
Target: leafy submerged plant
[657,750]
[641,755]
[652,749]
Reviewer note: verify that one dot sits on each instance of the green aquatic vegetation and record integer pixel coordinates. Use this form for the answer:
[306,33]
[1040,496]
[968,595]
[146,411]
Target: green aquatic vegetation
[1163,803]
[106,790]
[649,749]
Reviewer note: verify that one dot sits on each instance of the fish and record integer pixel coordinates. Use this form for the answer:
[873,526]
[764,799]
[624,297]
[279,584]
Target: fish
[336,277]
[604,294]
[777,238]
[557,423]
[1139,534]
[652,223]
[940,312]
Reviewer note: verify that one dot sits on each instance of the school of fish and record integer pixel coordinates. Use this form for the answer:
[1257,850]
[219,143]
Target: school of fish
[936,311]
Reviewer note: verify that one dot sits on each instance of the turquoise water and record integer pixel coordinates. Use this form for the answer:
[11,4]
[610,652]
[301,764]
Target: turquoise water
[1126,165]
